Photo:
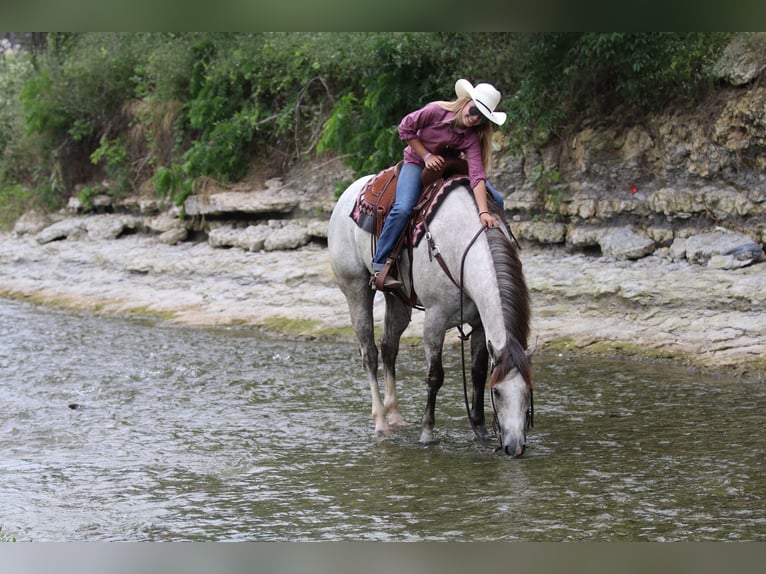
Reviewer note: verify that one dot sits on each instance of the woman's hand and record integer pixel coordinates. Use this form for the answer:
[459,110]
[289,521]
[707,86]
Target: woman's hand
[434,162]
[488,220]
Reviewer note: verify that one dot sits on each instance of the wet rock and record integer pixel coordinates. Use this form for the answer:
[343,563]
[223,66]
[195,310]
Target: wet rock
[31,222]
[109,226]
[173,235]
[316,228]
[661,234]
[700,248]
[546,232]
[145,205]
[743,59]
[584,236]
[229,202]
[290,236]
[163,222]
[625,243]
[252,238]
[65,229]
[737,257]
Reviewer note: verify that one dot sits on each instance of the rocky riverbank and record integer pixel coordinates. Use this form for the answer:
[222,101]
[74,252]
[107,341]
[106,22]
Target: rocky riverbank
[641,236]
[653,306]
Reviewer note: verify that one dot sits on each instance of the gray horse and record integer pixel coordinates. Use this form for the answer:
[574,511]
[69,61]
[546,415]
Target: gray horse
[494,303]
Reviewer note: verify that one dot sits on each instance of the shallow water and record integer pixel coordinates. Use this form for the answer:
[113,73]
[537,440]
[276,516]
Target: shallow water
[116,429]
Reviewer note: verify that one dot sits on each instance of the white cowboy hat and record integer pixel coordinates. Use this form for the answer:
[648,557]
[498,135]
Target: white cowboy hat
[485,96]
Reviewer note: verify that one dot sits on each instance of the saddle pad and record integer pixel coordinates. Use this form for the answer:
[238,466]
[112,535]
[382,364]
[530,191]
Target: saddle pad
[364,210]
[428,209]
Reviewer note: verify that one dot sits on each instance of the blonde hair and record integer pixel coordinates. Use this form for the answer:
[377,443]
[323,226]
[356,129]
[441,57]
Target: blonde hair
[484,130]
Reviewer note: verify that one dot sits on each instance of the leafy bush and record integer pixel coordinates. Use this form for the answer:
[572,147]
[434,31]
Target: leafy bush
[173,108]
[14,71]
[403,73]
[14,199]
[568,76]
[172,183]
[74,104]
[112,155]
[17,157]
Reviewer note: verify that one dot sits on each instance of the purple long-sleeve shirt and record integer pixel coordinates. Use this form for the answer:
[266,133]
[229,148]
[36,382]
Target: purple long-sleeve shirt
[431,125]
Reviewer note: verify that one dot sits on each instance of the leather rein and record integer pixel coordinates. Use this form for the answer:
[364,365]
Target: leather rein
[434,253]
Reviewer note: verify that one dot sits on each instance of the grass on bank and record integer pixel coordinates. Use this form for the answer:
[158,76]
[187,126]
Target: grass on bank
[6,537]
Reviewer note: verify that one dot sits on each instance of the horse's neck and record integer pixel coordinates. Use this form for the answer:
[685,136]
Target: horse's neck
[453,229]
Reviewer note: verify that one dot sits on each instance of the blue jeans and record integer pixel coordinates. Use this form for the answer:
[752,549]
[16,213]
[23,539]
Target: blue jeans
[407,193]
[495,194]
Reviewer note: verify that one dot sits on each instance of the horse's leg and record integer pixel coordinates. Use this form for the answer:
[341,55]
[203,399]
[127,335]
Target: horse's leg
[433,341]
[360,298]
[396,320]
[479,364]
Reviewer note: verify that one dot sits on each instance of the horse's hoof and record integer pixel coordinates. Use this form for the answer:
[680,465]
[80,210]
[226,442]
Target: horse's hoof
[427,438]
[397,421]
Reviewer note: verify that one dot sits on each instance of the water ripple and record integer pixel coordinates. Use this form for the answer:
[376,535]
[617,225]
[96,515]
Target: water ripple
[128,430]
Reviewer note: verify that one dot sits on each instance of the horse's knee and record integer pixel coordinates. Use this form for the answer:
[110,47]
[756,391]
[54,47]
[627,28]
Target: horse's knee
[434,382]
[370,358]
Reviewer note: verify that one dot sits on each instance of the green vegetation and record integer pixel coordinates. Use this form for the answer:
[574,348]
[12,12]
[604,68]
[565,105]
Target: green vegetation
[569,76]
[545,180]
[6,537]
[165,111]
[291,326]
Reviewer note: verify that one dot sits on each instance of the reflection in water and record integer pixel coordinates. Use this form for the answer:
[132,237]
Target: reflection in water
[192,434]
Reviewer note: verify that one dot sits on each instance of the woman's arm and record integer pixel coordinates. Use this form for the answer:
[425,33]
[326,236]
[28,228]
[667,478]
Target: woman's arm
[431,160]
[480,193]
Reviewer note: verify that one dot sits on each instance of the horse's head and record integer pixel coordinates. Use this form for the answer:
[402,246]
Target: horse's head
[511,397]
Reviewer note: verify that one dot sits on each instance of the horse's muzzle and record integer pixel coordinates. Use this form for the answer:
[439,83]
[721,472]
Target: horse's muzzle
[515,450]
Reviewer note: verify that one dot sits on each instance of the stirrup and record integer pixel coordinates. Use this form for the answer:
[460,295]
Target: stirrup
[382,282]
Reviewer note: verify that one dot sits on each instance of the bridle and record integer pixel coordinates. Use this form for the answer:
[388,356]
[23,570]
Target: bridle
[530,416]
[434,253]
[529,419]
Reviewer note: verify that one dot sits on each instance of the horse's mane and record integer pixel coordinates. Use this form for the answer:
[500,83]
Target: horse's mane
[515,302]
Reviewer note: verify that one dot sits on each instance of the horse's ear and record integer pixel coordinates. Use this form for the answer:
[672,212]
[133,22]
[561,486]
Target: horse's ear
[529,351]
[494,356]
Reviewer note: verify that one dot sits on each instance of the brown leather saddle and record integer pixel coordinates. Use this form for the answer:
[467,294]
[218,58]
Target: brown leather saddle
[377,198]
[378,195]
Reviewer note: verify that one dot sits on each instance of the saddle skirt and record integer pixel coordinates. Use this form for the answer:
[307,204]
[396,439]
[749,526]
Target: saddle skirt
[375,200]
[377,196]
